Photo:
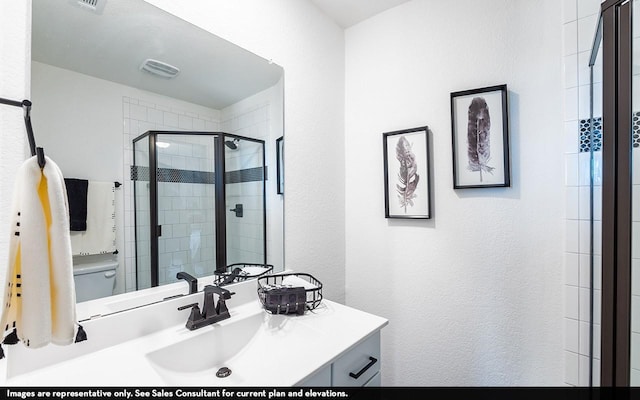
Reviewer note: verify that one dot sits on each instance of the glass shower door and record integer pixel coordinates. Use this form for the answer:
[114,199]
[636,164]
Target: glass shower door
[245,201]
[142,215]
[186,205]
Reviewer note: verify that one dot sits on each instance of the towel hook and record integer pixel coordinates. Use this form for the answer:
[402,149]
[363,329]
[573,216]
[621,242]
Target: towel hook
[26,106]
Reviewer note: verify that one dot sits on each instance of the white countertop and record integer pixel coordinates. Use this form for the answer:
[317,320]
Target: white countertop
[283,352]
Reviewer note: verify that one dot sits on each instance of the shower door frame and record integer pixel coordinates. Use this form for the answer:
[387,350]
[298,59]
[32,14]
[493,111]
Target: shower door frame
[220,210]
[615,32]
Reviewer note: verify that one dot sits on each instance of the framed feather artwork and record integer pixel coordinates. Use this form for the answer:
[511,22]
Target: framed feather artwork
[406,173]
[480,134]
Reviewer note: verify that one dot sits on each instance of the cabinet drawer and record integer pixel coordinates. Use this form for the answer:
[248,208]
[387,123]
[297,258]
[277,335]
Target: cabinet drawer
[359,364]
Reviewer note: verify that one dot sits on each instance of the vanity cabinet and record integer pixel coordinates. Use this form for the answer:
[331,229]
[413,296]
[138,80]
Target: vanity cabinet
[359,366]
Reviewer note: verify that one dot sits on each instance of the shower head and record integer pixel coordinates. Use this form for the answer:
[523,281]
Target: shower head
[232,144]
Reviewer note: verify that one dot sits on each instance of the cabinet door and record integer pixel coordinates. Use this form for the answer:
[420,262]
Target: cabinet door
[376,381]
[359,364]
[320,378]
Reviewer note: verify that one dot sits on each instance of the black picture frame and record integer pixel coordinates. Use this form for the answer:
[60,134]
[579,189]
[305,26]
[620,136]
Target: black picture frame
[407,173]
[280,165]
[480,138]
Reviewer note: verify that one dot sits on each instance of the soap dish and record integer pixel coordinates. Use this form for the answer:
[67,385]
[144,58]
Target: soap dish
[290,293]
[240,272]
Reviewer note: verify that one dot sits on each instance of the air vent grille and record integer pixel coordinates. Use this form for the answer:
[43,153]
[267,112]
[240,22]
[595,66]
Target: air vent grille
[95,6]
[160,68]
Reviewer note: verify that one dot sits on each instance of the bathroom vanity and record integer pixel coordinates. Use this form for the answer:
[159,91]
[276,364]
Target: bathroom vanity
[332,345]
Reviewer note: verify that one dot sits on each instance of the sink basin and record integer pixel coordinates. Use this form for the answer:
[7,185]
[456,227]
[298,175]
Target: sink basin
[248,346]
[205,351]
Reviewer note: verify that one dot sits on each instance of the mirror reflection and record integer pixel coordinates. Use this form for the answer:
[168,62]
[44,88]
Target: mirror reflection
[103,76]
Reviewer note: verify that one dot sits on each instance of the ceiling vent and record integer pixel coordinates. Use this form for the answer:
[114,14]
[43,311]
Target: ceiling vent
[96,6]
[160,68]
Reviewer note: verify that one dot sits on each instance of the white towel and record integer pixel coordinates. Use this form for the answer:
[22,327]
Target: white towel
[100,236]
[295,281]
[40,299]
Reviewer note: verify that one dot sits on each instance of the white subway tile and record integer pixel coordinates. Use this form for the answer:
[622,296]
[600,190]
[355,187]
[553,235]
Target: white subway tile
[155,116]
[138,112]
[571,70]
[571,298]
[585,237]
[571,269]
[597,306]
[185,122]
[171,119]
[584,102]
[571,135]
[570,38]
[635,314]
[583,371]
[584,74]
[635,203]
[584,304]
[586,32]
[571,368]
[198,124]
[569,10]
[572,236]
[635,350]
[584,168]
[571,104]
[588,7]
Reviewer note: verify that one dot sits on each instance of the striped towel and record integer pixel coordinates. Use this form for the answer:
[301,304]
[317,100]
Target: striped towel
[40,300]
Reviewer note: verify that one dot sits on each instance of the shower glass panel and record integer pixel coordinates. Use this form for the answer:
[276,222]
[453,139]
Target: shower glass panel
[591,213]
[245,194]
[186,204]
[142,214]
[635,202]
[183,211]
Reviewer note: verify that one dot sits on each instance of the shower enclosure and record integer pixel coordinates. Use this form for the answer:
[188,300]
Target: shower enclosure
[616,43]
[204,207]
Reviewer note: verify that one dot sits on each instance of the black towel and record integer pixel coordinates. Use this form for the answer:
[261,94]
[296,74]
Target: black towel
[77,195]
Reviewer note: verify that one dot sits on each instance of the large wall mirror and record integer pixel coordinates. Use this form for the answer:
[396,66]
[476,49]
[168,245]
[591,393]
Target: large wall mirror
[92,96]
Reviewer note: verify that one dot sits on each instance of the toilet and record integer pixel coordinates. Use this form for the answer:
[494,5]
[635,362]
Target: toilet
[94,278]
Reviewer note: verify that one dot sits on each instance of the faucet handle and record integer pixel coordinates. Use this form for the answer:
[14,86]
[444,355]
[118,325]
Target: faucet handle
[194,316]
[222,292]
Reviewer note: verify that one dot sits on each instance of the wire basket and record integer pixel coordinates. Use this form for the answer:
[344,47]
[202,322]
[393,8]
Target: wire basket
[284,298]
[241,272]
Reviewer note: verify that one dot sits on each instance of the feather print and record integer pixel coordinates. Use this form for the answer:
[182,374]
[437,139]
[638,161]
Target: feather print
[479,148]
[407,174]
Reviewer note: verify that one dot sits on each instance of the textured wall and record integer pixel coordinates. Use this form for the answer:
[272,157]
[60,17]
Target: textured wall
[310,48]
[474,295]
[15,36]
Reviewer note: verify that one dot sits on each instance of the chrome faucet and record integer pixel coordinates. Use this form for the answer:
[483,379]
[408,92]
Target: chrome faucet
[193,282]
[211,312]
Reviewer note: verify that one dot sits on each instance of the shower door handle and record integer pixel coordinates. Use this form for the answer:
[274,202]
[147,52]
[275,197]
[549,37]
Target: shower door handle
[238,210]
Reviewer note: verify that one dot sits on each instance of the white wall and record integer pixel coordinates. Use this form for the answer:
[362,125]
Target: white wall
[15,52]
[310,48]
[474,295]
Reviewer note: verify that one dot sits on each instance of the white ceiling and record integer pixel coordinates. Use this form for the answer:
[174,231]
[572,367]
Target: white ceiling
[112,45]
[347,13]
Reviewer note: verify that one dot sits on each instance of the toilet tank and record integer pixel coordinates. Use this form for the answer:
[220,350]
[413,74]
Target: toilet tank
[94,278]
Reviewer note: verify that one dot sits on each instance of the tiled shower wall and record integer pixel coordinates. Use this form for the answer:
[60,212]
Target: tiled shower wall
[180,223]
[254,117]
[580,19]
